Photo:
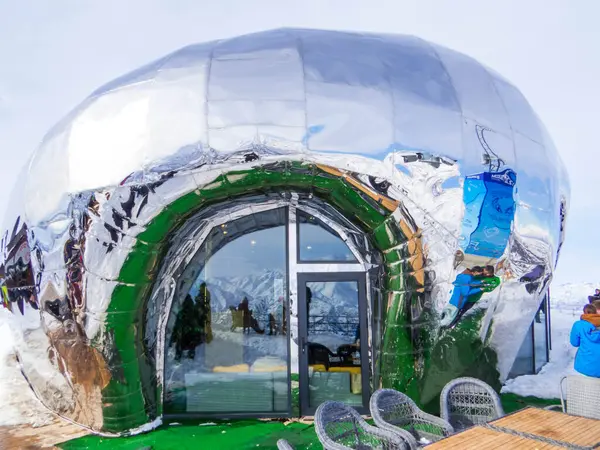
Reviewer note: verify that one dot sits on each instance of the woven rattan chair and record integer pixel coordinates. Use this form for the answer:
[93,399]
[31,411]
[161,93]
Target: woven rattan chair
[340,427]
[582,397]
[465,402]
[398,413]
[282,444]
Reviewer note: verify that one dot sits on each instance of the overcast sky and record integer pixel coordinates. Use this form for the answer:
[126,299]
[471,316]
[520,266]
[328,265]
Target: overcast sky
[54,53]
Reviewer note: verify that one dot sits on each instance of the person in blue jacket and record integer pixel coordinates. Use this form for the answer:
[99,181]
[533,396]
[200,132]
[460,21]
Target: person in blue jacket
[585,336]
[466,284]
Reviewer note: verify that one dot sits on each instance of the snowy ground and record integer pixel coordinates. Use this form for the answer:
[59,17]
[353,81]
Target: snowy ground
[566,304]
[18,405]
[17,402]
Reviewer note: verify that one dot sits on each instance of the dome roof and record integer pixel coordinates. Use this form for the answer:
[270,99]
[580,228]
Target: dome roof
[288,90]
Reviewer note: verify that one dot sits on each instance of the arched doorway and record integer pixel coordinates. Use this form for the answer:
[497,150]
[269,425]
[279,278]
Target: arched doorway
[268,316]
[164,248]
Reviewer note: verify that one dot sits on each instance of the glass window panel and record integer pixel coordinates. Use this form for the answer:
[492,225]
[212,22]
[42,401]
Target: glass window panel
[333,342]
[540,337]
[523,364]
[319,242]
[227,349]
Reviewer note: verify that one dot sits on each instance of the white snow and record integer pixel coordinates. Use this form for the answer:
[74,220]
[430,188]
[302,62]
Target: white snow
[567,302]
[18,404]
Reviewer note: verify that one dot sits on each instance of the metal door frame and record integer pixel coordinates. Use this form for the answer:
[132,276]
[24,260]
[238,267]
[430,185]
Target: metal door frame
[303,278]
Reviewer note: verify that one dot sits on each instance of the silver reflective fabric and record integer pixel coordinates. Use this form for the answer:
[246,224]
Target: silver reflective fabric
[429,165]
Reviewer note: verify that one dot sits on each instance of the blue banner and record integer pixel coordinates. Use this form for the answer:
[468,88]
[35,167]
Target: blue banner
[489,212]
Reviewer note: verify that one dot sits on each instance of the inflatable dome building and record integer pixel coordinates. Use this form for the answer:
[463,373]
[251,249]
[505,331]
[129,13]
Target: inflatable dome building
[248,227]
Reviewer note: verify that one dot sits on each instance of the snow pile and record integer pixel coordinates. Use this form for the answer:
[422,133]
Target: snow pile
[17,402]
[566,302]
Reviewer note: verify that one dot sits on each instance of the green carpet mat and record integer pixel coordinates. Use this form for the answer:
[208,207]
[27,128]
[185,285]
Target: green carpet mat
[238,434]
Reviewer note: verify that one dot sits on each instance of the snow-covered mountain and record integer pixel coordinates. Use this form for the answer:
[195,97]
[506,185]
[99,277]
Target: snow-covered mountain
[266,290]
[571,297]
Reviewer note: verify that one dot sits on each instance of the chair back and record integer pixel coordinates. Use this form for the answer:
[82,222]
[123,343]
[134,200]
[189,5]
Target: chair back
[397,412]
[582,396]
[466,402]
[393,407]
[339,426]
[282,444]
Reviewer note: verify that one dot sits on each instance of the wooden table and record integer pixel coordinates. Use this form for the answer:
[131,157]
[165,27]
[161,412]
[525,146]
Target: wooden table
[484,439]
[530,428]
[574,430]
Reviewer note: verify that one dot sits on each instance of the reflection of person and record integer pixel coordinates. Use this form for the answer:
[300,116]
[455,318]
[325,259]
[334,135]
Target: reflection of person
[481,280]
[489,281]
[541,309]
[204,314]
[459,257]
[187,333]
[308,301]
[585,336]
[284,320]
[249,320]
[465,285]
[193,324]
[278,326]
[532,278]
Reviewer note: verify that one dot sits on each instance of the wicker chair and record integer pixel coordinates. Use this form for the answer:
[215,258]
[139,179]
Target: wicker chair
[582,397]
[466,402]
[398,413]
[282,444]
[340,427]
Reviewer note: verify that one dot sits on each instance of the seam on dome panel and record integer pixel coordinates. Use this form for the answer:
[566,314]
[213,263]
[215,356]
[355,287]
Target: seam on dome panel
[390,92]
[437,56]
[258,124]
[254,100]
[300,50]
[206,97]
[510,125]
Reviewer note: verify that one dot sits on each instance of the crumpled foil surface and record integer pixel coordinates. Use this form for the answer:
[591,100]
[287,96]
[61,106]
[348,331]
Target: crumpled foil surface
[428,164]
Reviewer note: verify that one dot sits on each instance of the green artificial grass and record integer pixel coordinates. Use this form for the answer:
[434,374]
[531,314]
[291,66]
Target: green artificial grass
[238,434]
[512,402]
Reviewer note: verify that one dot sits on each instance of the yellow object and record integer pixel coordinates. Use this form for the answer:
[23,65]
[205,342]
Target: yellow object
[232,369]
[356,383]
[321,368]
[5,300]
[270,369]
[352,370]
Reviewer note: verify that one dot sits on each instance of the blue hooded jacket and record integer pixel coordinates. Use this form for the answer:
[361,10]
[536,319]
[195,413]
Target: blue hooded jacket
[465,285]
[585,336]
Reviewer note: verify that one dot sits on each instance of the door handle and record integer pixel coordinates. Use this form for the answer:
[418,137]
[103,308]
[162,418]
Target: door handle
[303,344]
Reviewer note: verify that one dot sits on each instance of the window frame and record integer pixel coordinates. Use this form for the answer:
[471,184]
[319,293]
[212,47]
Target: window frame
[299,260]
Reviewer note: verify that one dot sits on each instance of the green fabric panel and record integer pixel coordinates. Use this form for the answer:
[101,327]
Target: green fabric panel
[141,266]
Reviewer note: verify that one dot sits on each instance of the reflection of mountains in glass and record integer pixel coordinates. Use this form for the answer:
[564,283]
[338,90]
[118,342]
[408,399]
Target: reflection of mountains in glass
[264,289]
[334,308]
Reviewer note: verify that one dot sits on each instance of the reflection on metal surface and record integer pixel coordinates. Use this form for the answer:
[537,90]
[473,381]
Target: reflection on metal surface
[433,170]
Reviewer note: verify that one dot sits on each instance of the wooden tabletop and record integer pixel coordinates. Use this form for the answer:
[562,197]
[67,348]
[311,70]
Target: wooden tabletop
[553,425]
[485,439]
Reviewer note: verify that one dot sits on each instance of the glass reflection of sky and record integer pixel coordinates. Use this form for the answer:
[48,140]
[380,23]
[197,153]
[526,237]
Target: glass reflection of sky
[537,223]
[250,254]
[319,244]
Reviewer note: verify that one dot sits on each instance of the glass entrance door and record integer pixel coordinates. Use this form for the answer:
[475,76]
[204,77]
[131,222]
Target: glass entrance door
[331,327]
